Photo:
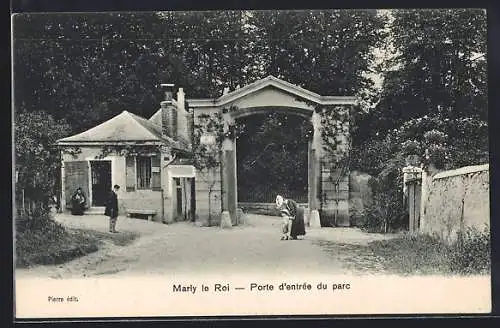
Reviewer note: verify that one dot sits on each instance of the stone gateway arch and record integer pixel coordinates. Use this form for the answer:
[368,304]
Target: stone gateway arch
[326,197]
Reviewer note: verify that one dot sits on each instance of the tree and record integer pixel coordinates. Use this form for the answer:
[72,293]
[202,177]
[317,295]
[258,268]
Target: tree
[438,66]
[116,68]
[37,161]
[213,46]
[327,52]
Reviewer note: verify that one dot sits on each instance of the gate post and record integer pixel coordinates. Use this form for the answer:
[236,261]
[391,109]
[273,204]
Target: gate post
[229,204]
[62,200]
[314,219]
[412,177]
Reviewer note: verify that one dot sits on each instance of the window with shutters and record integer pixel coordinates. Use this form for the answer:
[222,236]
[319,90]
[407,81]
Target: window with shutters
[155,173]
[143,172]
[130,173]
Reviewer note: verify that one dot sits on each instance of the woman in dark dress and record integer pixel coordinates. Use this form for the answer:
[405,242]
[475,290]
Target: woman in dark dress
[296,217]
[78,202]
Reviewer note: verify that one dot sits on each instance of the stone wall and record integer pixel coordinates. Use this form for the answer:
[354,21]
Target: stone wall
[203,207]
[455,200]
[263,208]
[360,197]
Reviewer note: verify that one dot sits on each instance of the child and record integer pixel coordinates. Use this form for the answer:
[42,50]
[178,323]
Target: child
[285,226]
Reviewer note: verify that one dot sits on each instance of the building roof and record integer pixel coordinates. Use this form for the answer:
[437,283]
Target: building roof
[125,127]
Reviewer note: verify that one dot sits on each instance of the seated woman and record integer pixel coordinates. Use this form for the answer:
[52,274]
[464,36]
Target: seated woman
[78,202]
[295,225]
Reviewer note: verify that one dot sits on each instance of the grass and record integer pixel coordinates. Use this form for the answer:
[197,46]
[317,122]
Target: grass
[50,243]
[46,242]
[412,255]
[122,238]
[418,254]
[423,254]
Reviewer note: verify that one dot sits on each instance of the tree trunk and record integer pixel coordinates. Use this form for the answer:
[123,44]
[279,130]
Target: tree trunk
[210,207]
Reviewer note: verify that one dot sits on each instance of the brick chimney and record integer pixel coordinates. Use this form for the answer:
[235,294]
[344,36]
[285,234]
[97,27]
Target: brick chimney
[190,125]
[183,117]
[180,99]
[168,113]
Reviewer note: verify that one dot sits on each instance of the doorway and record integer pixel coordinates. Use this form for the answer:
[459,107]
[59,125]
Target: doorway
[179,195]
[101,181]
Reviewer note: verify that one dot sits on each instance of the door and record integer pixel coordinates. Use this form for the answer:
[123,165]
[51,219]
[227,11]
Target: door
[101,181]
[179,195]
[76,175]
[193,199]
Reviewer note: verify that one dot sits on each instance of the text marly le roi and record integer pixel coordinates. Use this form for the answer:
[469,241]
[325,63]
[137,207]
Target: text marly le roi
[261,287]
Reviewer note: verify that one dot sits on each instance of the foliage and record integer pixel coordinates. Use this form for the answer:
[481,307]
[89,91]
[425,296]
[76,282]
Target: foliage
[472,252]
[123,57]
[336,122]
[272,157]
[386,213]
[437,66]
[325,51]
[436,81]
[411,147]
[37,161]
[131,150]
[207,156]
[435,139]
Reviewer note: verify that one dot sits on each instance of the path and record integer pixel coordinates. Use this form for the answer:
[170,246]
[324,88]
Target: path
[184,248]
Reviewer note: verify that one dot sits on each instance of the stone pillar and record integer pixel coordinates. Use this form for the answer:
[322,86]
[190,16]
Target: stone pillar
[426,180]
[62,202]
[410,172]
[314,219]
[229,204]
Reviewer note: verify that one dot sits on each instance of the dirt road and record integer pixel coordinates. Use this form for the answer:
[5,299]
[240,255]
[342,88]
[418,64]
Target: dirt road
[183,247]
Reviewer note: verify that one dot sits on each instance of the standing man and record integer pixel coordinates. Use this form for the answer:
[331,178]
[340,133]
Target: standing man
[112,208]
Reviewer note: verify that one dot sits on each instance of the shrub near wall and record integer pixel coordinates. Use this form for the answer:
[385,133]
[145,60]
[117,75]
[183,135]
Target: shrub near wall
[471,253]
[360,197]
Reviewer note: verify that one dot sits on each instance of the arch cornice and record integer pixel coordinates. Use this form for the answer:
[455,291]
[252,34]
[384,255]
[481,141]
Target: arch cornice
[278,84]
[249,111]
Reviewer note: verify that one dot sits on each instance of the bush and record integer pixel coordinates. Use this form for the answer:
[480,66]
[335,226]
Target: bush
[446,143]
[41,240]
[387,213]
[471,253]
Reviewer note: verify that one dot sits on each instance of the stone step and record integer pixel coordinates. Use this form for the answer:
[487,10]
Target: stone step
[95,211]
